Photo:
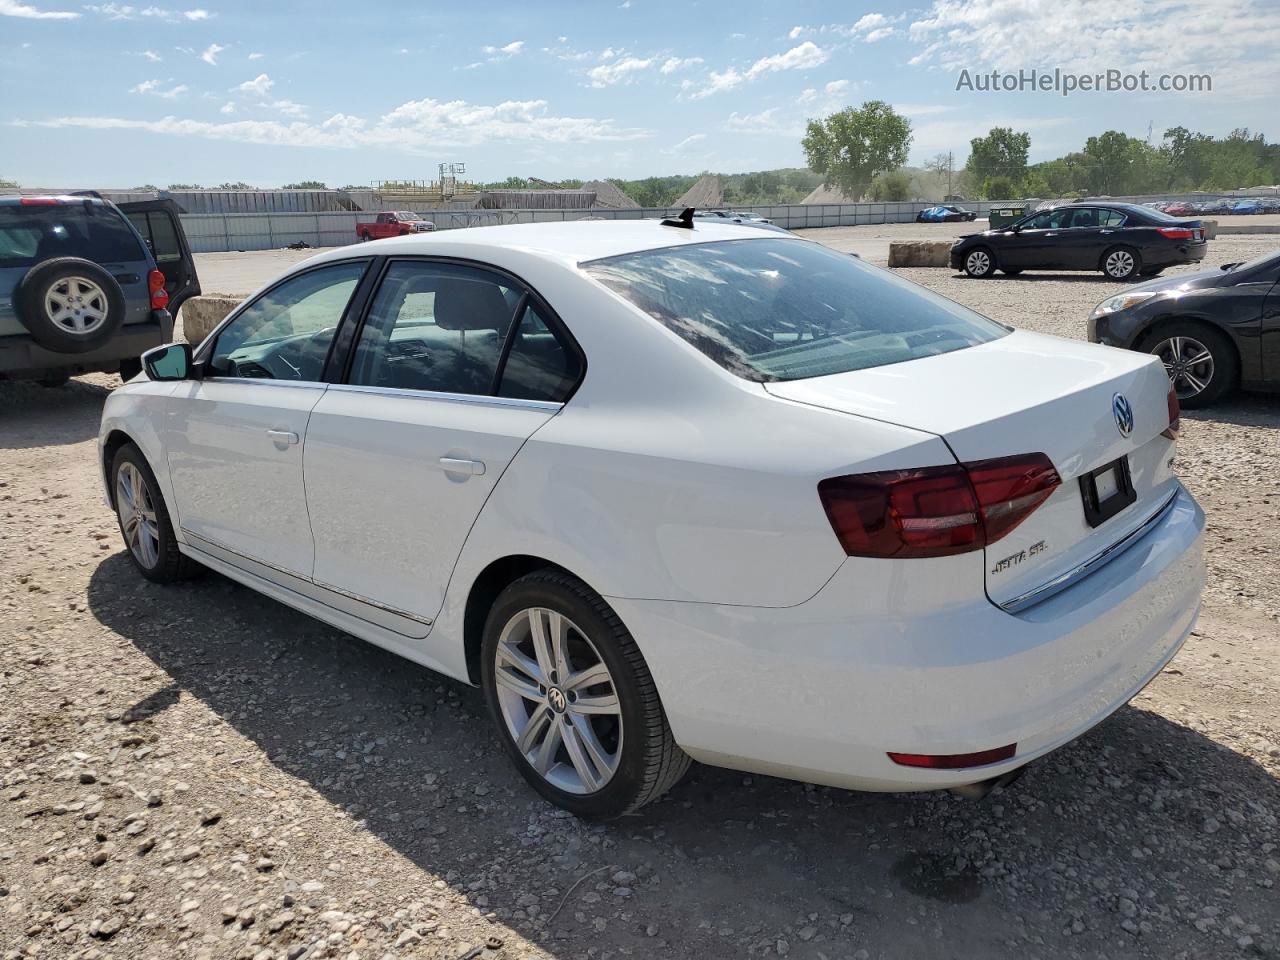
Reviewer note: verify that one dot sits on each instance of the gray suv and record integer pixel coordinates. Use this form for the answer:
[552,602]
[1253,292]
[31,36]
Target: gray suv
[86,285]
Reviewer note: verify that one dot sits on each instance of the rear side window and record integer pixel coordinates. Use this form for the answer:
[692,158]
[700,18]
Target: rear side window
[32,234]
[539,366]
[785,309]
[157,229]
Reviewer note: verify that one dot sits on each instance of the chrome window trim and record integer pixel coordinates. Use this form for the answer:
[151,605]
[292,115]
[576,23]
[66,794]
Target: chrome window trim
[265,381]
[1082,570]
[480,398]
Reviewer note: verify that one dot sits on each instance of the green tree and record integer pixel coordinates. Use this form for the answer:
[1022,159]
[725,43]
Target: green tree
[5,182]
[1000,187]
[851,147]
[306,185]
[894,185]
[1001,153]
[237,185]
[184,186]
[147,188]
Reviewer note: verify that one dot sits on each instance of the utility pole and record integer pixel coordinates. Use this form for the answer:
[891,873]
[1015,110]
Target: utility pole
[948,174]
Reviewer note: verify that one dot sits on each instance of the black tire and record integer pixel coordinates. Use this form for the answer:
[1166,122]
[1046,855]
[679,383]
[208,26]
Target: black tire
[1011,271]
[365,238]
[170,565]
[130,367]
[55,332]
[650,763]
[52,380]
[1126,265]
[1225,375]
[980,262]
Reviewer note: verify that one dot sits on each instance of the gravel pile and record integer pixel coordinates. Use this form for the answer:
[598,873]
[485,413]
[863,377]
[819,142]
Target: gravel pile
[197,771]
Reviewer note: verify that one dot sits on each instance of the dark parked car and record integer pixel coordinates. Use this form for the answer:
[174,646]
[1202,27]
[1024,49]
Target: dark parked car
[1214,330]
[88,286]
[1122,240]
[945,214]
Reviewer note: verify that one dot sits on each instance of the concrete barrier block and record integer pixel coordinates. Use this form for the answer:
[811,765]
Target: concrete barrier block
[920,253]
[1210,228]
[199,315]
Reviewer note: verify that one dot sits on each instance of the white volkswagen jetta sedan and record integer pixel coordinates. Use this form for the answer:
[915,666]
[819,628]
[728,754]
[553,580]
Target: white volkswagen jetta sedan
[669,493]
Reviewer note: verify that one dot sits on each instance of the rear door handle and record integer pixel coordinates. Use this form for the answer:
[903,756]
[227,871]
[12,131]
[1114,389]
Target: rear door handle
[283,436]
[472,468]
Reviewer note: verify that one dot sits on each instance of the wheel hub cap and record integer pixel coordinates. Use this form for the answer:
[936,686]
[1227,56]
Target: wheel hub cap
[558,701]
[137,515]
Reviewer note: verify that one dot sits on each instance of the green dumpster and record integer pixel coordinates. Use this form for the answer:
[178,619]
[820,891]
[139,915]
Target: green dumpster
[1003,216]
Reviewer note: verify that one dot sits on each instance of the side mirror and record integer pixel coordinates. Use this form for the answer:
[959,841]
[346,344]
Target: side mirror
[170,362]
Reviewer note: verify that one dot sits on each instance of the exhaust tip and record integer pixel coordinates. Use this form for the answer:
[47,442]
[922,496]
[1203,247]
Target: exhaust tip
[979,790]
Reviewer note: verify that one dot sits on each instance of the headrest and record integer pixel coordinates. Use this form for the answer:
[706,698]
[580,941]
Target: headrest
[470,305]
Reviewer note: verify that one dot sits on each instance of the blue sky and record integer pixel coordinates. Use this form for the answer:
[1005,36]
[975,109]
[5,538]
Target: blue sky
[115,94]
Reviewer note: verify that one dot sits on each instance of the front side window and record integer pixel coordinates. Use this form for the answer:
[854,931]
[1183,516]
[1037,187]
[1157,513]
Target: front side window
[1048,220]
[286,333]
[784,309]
[436,327]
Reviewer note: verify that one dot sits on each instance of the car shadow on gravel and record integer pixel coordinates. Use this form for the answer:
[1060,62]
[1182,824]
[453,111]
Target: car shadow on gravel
[36,416]
[1242,410]
[1132,826]
[1082,277]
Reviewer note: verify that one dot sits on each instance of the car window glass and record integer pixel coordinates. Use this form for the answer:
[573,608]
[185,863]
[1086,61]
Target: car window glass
[1110,218]
[437,327]
[1084,217]
[157,229]
[1048,220]
[785,309]
[285,334]
[539,366]
[30,234]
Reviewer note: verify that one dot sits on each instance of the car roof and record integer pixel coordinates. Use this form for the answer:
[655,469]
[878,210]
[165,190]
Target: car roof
[574,241]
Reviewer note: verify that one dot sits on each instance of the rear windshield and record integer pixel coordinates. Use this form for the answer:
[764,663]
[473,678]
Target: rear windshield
[786,309]
[31,234]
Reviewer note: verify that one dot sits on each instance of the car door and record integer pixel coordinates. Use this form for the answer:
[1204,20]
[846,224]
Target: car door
[1081,239]
[1270,336]
[443,390]
[160,224]
[234,437]
[1035,246]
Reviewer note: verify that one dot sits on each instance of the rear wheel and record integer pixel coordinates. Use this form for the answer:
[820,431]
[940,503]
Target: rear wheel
[1201,362]
[365,238]
[573,700]
[144,519]
[53,380]
[70,305]
[979,262]
[1121,263]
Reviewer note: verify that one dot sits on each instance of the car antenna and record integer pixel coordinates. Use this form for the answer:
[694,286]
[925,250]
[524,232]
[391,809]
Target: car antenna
[685,220]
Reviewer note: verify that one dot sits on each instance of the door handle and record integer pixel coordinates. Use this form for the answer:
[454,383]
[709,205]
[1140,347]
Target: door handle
[472,468]
[283,436]
[1050,234]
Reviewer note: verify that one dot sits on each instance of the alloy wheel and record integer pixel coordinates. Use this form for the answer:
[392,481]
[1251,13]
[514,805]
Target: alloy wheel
[76,305]
[1189,364]
[1119,264]
[978,262]
[558,700]
[137,515]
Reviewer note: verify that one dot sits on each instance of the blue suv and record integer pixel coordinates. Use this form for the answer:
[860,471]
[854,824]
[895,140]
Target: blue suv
[86,285]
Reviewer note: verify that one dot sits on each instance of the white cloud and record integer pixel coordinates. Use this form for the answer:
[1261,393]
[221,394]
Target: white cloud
[153,87]
[15,8]
[879,34]
[687,142]
[152,56]
[419,127]
[871,21]
[1232,40]
[795,32]
[619,71]
[227,108]
[124,11]
[210,55]
[495,53]
[801,57]
[672,64]
[255,56]
[259,86]
[770,122]
[287,107]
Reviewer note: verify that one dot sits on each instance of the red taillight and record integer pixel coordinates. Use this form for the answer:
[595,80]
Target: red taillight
[39,202]
[1175,416]
[1177,233]
[954,761]
[159,296]
[935,511]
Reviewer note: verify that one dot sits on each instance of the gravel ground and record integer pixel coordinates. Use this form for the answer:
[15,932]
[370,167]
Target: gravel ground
[197,771]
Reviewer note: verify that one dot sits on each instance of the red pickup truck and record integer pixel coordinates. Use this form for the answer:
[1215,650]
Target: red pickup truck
[397,224]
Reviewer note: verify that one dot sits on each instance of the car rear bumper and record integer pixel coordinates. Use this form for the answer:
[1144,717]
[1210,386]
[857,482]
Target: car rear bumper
[21,358]
[823,691]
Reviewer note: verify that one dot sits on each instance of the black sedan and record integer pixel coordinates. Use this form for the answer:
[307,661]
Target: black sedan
[1214,330]
[1122,240]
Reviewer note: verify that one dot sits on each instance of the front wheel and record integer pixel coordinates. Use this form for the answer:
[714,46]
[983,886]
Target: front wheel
[1200,361]
[573,700]
[144,519]
[979,262]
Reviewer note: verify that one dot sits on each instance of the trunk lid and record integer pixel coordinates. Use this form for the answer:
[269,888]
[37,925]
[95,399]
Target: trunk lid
[1027,393]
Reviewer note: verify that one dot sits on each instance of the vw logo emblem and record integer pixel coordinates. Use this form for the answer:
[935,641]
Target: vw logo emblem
[1123,412]
[556,698]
